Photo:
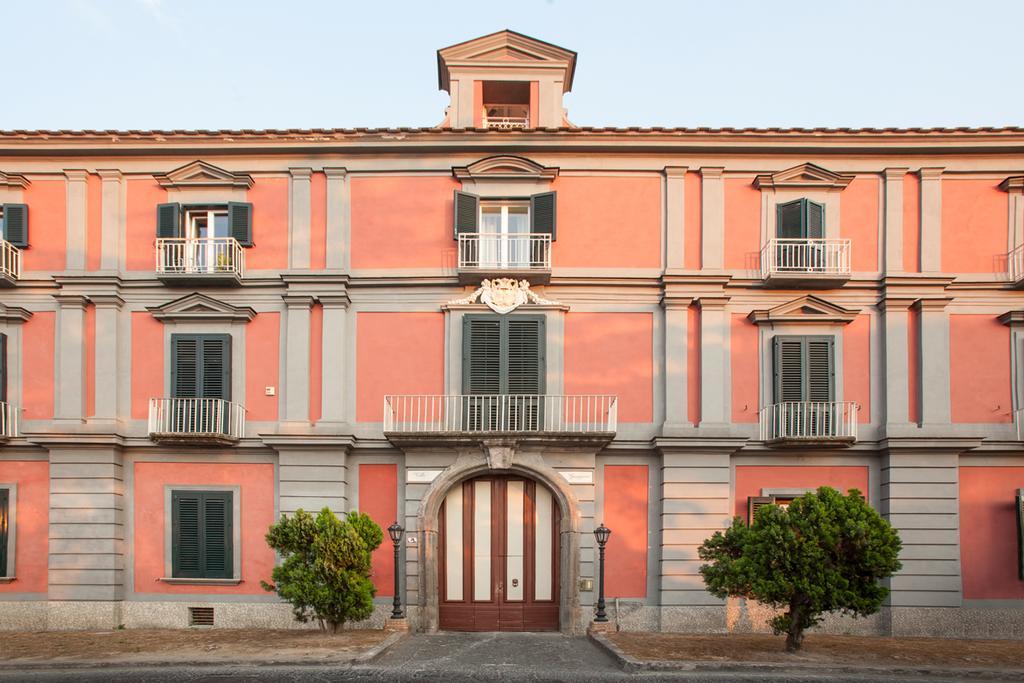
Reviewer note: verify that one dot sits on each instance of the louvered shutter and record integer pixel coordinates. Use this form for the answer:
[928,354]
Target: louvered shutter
[524,375]
[789,369]
[217,535]
[482,355]
[789,220]
[215,357]
[820,369]
[240,222]
[186,560]
[1020,533]
[543,213]
[3,368]
[4,533]
[467,213]
[168,221]
[16,224]
[185,366]
[814,220]
[755,503]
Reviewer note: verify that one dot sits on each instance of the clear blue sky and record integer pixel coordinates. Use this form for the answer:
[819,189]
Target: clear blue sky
[296,63]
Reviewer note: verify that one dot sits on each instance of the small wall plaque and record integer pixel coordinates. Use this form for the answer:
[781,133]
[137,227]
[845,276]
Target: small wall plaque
[421,476]
[578,476]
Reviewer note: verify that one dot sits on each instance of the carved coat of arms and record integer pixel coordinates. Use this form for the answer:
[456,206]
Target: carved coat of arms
[503,295]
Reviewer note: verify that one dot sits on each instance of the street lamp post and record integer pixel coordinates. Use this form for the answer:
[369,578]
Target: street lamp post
[601,533]
[395,531]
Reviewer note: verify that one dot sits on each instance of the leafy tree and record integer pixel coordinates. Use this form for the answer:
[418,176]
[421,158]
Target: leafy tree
[826,552]
[325,574]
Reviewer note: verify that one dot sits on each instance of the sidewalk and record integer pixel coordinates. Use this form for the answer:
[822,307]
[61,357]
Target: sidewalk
[145,647]
[895,657]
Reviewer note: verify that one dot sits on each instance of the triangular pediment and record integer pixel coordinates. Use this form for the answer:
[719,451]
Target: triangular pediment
[505,167]
[805,175]
[201,174]
[199,307]
[499,49]
[806,309]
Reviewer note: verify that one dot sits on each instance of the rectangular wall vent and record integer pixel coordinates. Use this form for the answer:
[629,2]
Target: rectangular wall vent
[200,616]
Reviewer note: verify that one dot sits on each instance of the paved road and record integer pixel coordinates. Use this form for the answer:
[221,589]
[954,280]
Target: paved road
[449,657]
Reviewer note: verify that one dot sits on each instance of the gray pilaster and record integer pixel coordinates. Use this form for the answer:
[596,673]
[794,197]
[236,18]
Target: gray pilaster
[893,237]
[77,211]
[108,360]
[300,218]
[934,339]
[675,217]
[337,218]
[112,219]
[715,387]
[295,397]
[931,220]
[334,357]
[712,218]
[69,380]
[677,310]
[312,479]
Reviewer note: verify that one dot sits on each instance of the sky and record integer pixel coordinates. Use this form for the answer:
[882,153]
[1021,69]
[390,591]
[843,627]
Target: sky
[171,64]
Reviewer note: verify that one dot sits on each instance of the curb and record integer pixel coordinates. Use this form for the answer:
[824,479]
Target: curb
[367,657]
[631,664]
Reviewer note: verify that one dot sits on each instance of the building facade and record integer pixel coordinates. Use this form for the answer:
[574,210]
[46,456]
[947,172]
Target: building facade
[502,331]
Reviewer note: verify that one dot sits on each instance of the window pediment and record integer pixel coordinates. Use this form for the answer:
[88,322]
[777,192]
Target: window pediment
[806,175]
[14,314]
[807,309]
[505,167]
[198,307]
[201,174]
[13,180]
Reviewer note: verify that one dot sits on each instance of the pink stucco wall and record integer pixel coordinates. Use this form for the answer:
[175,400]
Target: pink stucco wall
[37,390]
[974,226]
[262,363]
[988,532]
[270,220]
[751,479]
[746,384]
[142,197]
[626,513]
[147,365]
[47,225]
[858,211]
[32,524]
[742,224]
[857,365]
[378,498]
[979,369]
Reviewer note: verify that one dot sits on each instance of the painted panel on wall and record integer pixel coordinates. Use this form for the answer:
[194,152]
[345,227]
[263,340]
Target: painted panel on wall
[270,224]
[143,195]
[403,222]
[32,524]
[378,498]
[911,223]
[914,365]
[859,221]
[316,362]
[608,222]
[90,360]
[988,532]
[742,224]
[974,226]
[397,353]
[318,221]
[751,479]
[692,252]
[262,363]
[979,372]
[94,222]
[744,351]
[625,513]
[47,225]
[256,496]
[597,342]
[857,365]
[38,338]
[147,362]
[693,364]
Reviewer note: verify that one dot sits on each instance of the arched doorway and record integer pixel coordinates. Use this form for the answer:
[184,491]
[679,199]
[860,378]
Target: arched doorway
[499,556]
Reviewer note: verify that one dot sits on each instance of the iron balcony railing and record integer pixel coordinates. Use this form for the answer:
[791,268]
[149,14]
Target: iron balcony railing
[504,251]
[805,256]
[809,420]
[197,418]
[1015,264]
[506,122]
[10,260]
[200,256]
[8,421]
[500,413]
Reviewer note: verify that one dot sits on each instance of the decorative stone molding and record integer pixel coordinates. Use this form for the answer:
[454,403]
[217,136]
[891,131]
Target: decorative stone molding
[201,174]
[13,180]
[1012,184]
[1012,318]
[13,315]
[505,167]
[499,454]
[499,50]
[806,175]
[198,307]
[503,295]
[807,309]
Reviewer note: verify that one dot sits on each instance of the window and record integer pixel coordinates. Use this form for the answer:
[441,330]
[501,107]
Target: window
[509,216]
[201,366]
[804,369]
[202,531]
[5,532]
[755,503]
[233,219]
[503,362]
[14,218]
[800,219]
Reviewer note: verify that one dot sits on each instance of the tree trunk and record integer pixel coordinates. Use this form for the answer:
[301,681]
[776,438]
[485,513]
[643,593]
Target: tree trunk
[795,633]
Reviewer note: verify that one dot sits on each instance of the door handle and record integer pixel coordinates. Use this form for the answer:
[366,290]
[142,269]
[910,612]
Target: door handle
[501,587]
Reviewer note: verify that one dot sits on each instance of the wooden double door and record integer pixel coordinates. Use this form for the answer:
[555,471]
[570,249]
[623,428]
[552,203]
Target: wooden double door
[499,556]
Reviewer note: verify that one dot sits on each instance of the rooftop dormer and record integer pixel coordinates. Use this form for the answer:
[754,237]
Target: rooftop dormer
[505,80]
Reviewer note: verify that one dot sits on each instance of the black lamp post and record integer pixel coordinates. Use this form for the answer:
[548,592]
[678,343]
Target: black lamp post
[395,531]
[601,533]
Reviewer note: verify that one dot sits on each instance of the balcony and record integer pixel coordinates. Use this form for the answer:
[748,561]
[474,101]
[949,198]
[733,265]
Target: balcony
[8,421]
[505,255]
[1015,266]
[506,116]
[472,417]
[810,423]
[805,262]
[10,264]
[201,421]
[200,260]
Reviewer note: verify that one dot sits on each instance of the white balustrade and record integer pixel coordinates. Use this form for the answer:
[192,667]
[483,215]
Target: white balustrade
[200,256]
[810,420]
[500,413]
[1015,264]
[10,260]
[504,251]
[805,256]
[8,421]
[507,122]
[196,417]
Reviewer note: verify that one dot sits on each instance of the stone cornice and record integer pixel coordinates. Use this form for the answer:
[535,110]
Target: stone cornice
[76,175]
[931,172]
[14,314]
[13,180]
[675,171]
[933,303]
[1012,318]
[1014,184]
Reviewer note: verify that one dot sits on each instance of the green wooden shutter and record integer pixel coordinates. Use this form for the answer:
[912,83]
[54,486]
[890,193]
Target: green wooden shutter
[789,220]
[217,535]
[1020,533]
[3,368]
[215,366]
[789,369]
[820,378]
[525,374]
[481,355]
[804,369]
[814,220]
[185,366]
[240,222]
[543,215]
[16,224]
[168,221]
[186,560]
[467,213]
[755,503]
